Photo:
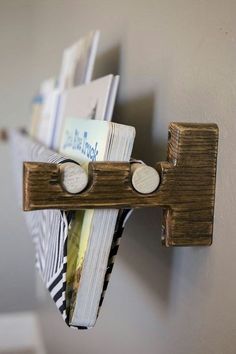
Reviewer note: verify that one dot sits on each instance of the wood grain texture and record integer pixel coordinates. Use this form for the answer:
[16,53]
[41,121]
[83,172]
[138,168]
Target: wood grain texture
[192,151]
[74,178]
[145,179]
[186,192]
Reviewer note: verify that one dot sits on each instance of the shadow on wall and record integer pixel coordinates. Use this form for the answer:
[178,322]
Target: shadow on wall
[108,62]
[141,246]
[138,112]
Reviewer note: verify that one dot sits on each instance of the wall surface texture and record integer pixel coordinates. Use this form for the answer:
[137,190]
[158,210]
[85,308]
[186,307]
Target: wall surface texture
[177,63]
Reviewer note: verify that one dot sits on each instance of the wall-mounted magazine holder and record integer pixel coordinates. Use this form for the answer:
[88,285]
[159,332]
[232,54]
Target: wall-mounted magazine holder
[186,191]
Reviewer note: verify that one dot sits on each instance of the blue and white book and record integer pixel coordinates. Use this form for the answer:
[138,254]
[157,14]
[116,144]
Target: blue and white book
[91,232]
[94,100]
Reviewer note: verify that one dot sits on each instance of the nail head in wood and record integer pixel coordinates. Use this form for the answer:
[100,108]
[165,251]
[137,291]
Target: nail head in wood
[3,135]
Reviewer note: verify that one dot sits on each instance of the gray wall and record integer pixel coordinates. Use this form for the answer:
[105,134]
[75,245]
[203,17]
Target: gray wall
[16,252]
[177,63]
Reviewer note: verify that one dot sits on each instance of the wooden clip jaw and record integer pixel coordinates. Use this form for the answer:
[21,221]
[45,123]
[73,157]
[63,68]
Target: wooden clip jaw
[186,192]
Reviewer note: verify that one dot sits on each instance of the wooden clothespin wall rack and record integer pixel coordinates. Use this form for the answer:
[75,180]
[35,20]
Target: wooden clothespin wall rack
[186,191]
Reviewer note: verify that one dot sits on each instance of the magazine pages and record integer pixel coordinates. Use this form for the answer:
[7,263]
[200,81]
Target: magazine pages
[94,100]
[73,117]
[76,69]
[78,62]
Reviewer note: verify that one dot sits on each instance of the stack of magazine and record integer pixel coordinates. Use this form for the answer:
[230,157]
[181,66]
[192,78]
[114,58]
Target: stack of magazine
[72,115]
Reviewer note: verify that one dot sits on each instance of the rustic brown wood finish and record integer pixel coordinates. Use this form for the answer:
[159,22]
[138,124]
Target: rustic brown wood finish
[3,135]
[186,192]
